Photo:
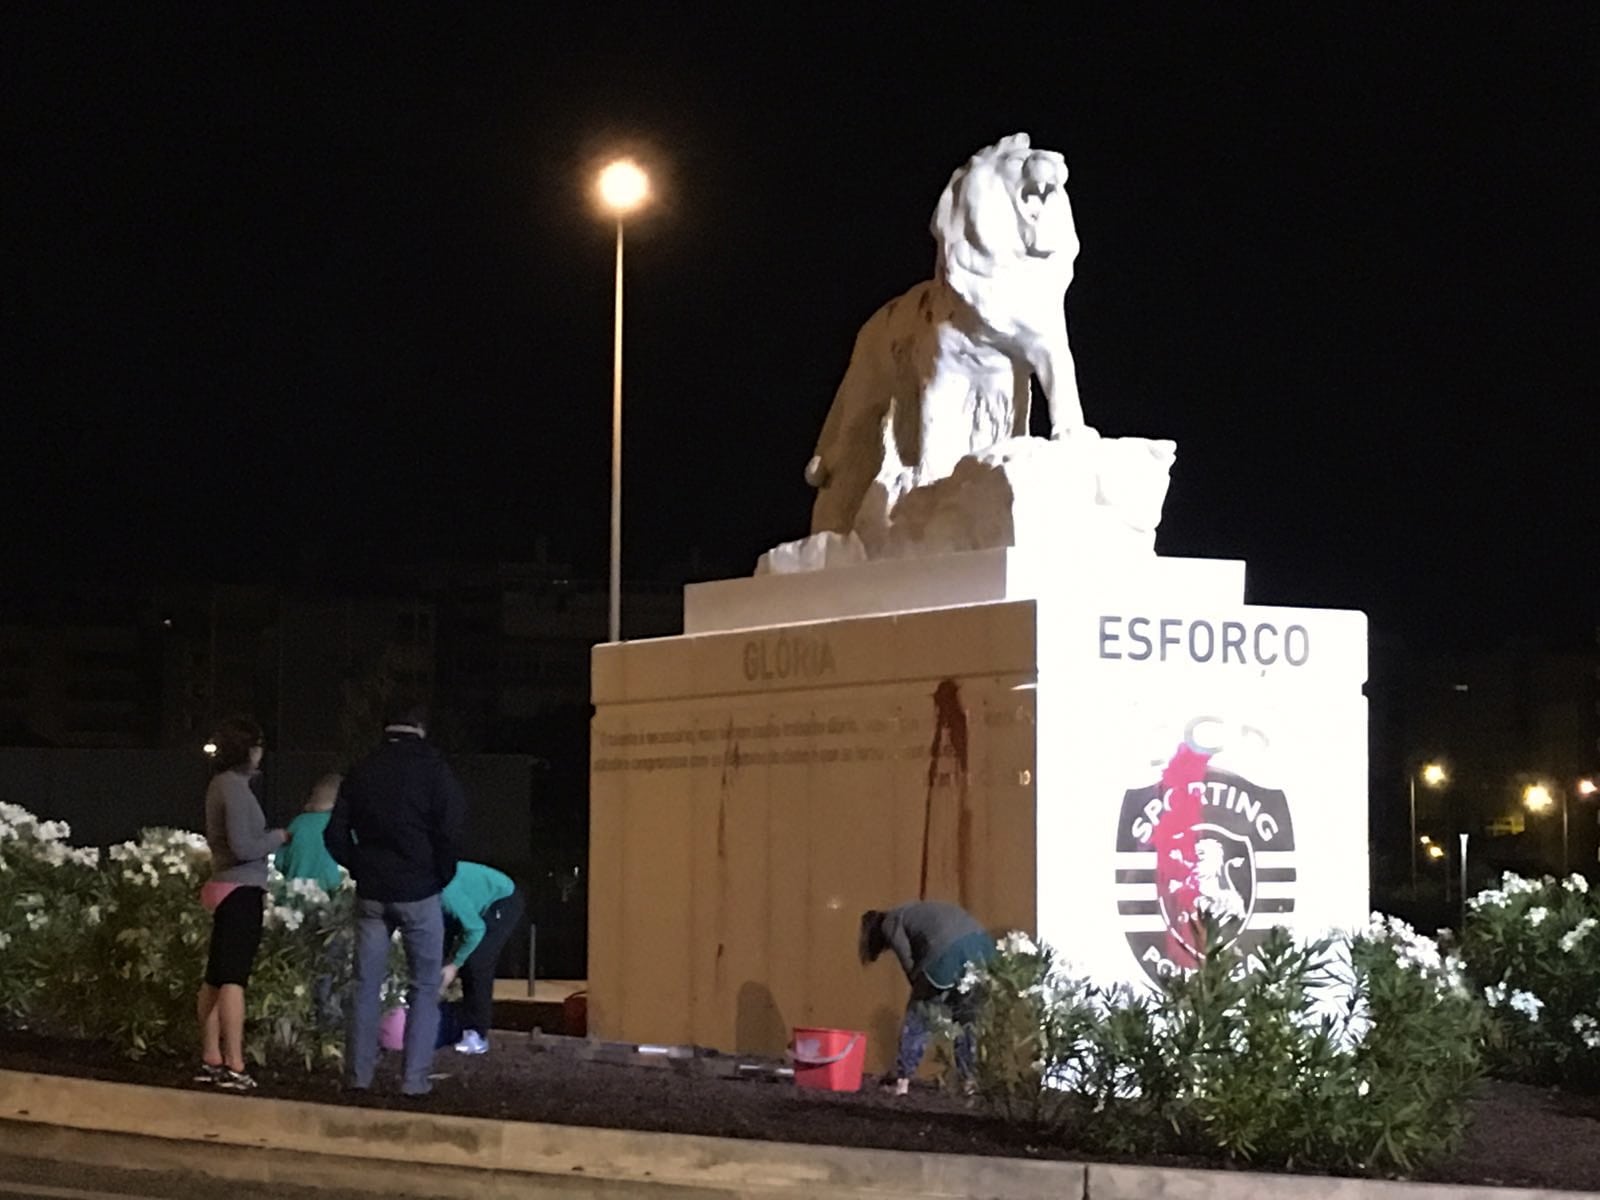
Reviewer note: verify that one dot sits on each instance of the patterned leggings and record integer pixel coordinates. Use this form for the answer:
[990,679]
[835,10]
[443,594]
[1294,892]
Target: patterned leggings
[923,1012]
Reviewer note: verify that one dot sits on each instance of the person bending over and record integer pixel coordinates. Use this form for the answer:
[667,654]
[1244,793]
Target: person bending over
[933,941]
[484,905]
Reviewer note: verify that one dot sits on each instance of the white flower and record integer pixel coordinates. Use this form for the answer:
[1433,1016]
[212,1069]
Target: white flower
[1576,883]
[308,889]
[1489,898]
[1516,885]
[1495,996]
[1017,942]
[1364,1088]
[970,978]
[1587,1028]
[299,989]
[91,915]
[1527,1004]
[1536,916]
[5,939]
[38,920]
[1570,939]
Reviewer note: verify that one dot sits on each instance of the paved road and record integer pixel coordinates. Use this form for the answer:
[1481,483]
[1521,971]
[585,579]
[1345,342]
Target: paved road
[34,1179]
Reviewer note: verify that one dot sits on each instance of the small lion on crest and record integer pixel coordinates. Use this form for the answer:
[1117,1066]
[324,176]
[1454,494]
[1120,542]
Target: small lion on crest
[943,371]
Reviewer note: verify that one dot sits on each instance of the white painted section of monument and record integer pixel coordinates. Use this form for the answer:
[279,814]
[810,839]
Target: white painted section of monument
[1274,697]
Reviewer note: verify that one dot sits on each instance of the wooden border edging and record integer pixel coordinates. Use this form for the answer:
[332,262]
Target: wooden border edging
[645,1160]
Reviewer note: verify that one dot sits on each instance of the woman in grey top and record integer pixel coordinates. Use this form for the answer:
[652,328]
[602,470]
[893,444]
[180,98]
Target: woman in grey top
[240,841]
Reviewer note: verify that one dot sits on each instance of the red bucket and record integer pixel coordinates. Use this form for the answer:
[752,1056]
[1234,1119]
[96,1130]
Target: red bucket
[830,1059]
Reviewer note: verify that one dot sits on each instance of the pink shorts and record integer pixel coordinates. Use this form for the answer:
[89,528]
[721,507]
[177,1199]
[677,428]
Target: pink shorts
[214,893]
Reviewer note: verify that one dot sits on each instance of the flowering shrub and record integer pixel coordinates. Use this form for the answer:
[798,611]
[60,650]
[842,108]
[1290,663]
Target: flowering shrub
[1353,1054]
[47,892]
[1533,946]
[116,952]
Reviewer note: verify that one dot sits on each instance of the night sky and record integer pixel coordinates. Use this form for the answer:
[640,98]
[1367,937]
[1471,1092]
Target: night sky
[291,293]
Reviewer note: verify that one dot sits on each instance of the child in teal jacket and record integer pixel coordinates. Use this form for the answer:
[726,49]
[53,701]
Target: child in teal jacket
[482,907]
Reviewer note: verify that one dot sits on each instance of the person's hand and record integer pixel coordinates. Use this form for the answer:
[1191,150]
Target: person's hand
[447,977]
[288,835]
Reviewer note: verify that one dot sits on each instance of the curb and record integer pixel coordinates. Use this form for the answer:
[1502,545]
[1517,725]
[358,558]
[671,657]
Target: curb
[580,1159]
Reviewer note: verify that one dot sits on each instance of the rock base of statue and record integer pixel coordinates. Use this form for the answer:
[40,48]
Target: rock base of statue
[1080,497]
[1109,759]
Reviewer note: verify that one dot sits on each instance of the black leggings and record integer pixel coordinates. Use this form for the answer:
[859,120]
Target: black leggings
[477,973]
[235,937]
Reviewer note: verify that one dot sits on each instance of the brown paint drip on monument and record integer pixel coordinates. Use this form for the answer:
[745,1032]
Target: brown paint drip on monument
[949,727]
[730,763]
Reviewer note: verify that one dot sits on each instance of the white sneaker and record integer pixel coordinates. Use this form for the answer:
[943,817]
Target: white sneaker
[472,1042]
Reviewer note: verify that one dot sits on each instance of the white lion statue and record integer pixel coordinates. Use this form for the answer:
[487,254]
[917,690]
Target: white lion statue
[943,371]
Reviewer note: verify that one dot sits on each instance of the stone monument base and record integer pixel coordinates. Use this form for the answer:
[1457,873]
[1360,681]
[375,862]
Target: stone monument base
[1102,763]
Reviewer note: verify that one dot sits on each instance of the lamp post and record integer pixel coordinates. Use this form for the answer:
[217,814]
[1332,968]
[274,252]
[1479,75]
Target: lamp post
[1537,798]
[1433,774]
[623,187]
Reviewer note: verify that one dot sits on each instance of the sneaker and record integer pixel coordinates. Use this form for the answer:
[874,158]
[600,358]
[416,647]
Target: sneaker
[235,1081]
[472,1042]
[208,1072]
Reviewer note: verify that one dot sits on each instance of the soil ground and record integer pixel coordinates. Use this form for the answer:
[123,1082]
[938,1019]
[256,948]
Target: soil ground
[1521,1136]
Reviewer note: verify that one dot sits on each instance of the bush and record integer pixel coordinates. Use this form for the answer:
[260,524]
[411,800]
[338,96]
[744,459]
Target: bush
[1533,946]
[115,953]
[1353,1054]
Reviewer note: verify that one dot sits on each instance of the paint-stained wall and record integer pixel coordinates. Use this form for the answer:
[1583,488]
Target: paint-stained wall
[753,792]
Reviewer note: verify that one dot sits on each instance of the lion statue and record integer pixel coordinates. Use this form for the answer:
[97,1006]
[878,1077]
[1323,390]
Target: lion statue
[943,370]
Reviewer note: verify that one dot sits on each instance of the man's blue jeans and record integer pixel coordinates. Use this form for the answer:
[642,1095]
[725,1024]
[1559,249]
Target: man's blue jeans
[421,926]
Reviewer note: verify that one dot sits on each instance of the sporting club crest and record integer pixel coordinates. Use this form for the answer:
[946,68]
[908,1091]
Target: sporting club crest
[1203,854]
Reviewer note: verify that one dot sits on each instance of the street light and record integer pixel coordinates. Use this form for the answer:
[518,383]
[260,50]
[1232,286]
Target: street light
[623,188]
[1586,788]
[1433,774]
[1537,797]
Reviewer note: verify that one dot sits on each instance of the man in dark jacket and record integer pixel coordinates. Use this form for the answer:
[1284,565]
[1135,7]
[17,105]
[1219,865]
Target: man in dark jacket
[395,826]
[934,942]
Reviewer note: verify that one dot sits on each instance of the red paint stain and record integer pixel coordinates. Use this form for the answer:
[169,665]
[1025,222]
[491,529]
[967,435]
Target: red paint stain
[1173,837]
[949,728]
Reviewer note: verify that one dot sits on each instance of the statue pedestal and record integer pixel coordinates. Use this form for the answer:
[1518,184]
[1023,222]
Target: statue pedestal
[976,729]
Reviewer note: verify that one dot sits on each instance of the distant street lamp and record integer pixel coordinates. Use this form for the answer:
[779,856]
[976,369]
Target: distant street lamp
[1537,797]
[1433,774]
[623,188]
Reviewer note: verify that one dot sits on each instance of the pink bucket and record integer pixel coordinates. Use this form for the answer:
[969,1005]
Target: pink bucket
[392,1029]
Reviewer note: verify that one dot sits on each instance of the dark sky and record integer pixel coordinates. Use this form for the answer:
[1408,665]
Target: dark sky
[289,292]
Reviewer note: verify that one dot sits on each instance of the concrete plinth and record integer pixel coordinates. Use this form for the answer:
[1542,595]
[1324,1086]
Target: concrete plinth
[755,788]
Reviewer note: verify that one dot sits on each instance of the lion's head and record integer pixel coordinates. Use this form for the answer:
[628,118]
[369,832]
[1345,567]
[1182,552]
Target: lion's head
[1006,210]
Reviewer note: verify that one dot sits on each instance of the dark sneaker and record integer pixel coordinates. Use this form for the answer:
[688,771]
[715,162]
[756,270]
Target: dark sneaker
[235,1081]
[209,1072]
